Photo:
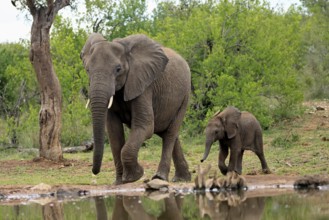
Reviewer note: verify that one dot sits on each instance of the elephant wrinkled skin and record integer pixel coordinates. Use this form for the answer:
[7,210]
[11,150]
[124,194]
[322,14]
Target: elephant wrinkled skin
[237,131]
[150,86]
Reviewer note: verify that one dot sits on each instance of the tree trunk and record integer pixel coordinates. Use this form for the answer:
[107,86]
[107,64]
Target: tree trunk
[50,90]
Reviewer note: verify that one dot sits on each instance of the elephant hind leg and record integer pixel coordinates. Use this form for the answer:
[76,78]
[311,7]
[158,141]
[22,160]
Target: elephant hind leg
[260,152]
[239,165]
[171,148]
[167,149]
[181,167]
[261,156]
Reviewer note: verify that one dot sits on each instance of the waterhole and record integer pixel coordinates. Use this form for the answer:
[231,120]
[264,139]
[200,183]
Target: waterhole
[260,203]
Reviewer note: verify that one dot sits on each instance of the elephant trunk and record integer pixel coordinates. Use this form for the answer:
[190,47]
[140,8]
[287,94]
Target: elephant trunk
[207,150]
[99,105]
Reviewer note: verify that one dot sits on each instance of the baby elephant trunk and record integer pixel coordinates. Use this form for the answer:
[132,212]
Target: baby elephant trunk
[207,150]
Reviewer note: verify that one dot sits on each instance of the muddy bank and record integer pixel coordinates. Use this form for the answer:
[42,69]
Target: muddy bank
[257,186]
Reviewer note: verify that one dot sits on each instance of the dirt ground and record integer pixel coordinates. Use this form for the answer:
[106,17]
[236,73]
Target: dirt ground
[263,184]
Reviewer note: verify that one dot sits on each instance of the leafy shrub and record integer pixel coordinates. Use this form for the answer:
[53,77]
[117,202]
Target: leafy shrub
[76,123]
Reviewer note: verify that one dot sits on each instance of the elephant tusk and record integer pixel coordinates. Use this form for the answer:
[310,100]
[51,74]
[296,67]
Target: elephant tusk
[88,101]
[110,102]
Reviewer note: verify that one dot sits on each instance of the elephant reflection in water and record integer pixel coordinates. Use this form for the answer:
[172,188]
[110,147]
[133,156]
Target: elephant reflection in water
[130,207]
[230,205]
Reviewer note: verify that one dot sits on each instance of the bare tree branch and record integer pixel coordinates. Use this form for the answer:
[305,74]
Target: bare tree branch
[97,25]
[13,2]
[59,4]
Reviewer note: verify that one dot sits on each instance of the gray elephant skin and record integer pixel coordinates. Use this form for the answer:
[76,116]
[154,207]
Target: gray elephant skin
[236,131]
[149,86]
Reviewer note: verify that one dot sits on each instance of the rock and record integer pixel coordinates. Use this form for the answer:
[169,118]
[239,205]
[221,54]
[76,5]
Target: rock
[311,182]
[320,108]
[2,196]
[43,201]
[325,139]
[156,184]
[157,196]
[42,186]
[66,192]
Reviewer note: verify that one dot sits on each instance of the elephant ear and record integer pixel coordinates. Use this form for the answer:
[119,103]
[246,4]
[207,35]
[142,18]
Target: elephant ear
[230,119]
[87,49]
[147,62]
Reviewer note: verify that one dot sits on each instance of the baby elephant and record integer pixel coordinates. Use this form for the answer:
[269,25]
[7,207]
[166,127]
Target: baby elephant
[238,131]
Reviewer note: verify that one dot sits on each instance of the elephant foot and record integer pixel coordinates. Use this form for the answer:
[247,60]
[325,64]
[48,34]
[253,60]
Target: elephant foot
[184,177]
[160,176]
[233,180]
[267,171]
[132,174]
[118,179]
[223,169]
[117,182]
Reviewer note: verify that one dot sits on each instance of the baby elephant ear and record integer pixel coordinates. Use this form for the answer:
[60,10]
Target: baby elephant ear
[147,62]
[230,120]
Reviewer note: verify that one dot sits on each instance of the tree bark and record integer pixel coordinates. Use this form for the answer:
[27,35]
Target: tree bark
[50,114]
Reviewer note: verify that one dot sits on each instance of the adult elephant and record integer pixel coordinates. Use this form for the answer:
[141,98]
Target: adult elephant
[149,86]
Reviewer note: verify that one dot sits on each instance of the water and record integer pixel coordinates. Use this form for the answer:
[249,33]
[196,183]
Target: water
[274,205]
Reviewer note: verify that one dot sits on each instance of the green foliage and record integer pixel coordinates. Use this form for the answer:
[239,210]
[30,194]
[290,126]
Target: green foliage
[316,38]
[17,84]
[29,128]
[235,58]
[116,18]
[66,47]
[18,89]
[76,127]
[241,53]
[21,132]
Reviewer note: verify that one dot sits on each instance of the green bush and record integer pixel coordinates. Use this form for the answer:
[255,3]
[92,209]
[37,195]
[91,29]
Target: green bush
[76,123]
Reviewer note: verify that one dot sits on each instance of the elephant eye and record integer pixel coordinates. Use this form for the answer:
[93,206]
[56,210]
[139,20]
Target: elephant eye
[118,68]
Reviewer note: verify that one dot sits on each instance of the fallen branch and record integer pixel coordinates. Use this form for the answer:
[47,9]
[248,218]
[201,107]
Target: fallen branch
[88,147]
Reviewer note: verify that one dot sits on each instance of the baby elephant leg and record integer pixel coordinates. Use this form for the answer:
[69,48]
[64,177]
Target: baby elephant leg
[239,162]
[261,157]
[260,153]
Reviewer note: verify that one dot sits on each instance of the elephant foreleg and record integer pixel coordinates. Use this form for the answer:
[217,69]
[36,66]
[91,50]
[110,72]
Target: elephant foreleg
[233,163]
[117,140]
[142,128]
[132,170]
[223,153]
[181,167]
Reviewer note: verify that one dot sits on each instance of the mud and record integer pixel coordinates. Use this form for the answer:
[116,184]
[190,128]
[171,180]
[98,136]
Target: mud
[257,186]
